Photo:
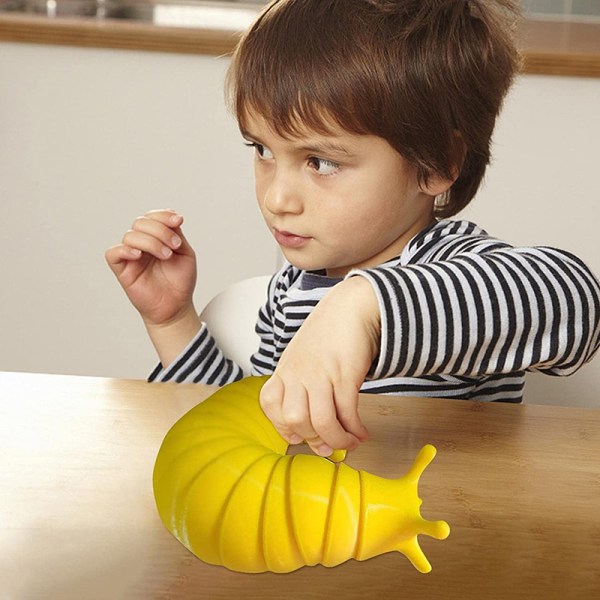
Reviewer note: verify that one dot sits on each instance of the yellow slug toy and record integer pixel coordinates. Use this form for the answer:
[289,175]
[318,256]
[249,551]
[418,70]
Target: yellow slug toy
[226,489]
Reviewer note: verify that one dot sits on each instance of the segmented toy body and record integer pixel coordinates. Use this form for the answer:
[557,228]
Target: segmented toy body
[226,489]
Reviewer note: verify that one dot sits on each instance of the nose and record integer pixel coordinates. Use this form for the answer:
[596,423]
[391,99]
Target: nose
[282,193]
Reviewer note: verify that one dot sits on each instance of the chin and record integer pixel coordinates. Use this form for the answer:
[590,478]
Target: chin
[303,263]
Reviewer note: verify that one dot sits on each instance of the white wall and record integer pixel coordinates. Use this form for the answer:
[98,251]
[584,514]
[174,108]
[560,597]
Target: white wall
[544,189]
[543,186]
[89,139]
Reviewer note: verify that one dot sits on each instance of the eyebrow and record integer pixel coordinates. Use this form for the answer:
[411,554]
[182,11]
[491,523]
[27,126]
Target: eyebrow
[323,147]
[319,147]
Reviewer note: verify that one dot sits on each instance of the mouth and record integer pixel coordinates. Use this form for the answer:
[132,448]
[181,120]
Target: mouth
[290,240]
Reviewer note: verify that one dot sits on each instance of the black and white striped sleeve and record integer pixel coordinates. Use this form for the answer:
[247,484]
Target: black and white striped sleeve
[200,362]
[508,310]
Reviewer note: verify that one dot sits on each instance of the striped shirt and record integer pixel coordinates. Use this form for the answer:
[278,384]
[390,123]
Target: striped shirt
[463,315]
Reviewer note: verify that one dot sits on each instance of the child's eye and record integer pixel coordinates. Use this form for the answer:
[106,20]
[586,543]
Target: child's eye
[323,166]
[262,151]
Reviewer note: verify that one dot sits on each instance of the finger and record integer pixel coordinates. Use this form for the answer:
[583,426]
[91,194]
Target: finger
[166,226]
[171,218]
[148,244]
[271,401]
[330,434]
[295,412]
[166,234]
[117,256]
[346,402]
[318,446]
[185,247]
[167,216]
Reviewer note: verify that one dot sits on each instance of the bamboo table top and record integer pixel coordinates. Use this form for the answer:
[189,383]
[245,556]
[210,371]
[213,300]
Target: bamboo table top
[519,486]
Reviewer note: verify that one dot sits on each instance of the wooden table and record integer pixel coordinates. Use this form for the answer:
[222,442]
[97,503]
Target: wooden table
[519,486]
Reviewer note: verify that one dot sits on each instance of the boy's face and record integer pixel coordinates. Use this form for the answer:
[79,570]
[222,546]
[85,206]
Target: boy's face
[338,201]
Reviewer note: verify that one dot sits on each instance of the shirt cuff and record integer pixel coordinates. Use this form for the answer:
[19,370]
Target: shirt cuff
[183,367]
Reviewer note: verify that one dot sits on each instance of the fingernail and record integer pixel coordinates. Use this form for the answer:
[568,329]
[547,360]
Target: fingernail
[135,251]
[166,252]
[176,241]
[324,450]
[295,439]
[175,219]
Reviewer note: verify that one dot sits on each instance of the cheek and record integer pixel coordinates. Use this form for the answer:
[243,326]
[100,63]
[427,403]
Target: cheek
[376,225]
[259,190]
[359,213]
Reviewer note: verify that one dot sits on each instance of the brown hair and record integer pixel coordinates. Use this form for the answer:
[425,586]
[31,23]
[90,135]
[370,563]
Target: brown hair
[428,76]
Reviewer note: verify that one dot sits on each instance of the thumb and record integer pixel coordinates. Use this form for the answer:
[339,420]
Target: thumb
[185,248]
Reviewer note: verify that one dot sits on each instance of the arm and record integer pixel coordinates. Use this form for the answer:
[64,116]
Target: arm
[156,268]
[474,314]
[313,393]
[202,361]
[496,312]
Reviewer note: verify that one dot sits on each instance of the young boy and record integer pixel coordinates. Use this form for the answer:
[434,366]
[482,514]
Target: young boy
[371,122]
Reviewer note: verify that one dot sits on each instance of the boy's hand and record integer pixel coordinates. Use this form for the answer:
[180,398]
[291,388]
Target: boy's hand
[313,393]
[156,267]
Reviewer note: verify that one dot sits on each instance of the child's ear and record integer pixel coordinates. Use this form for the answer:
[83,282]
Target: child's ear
[437,184]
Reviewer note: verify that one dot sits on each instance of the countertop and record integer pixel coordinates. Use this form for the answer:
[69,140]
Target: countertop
[548,47]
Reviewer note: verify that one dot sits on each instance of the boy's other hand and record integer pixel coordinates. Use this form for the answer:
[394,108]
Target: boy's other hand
[313,393]
[156,267]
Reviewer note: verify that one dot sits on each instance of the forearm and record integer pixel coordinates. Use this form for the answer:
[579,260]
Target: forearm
[499,312]
[170,339]
[356,296]
[201,361]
